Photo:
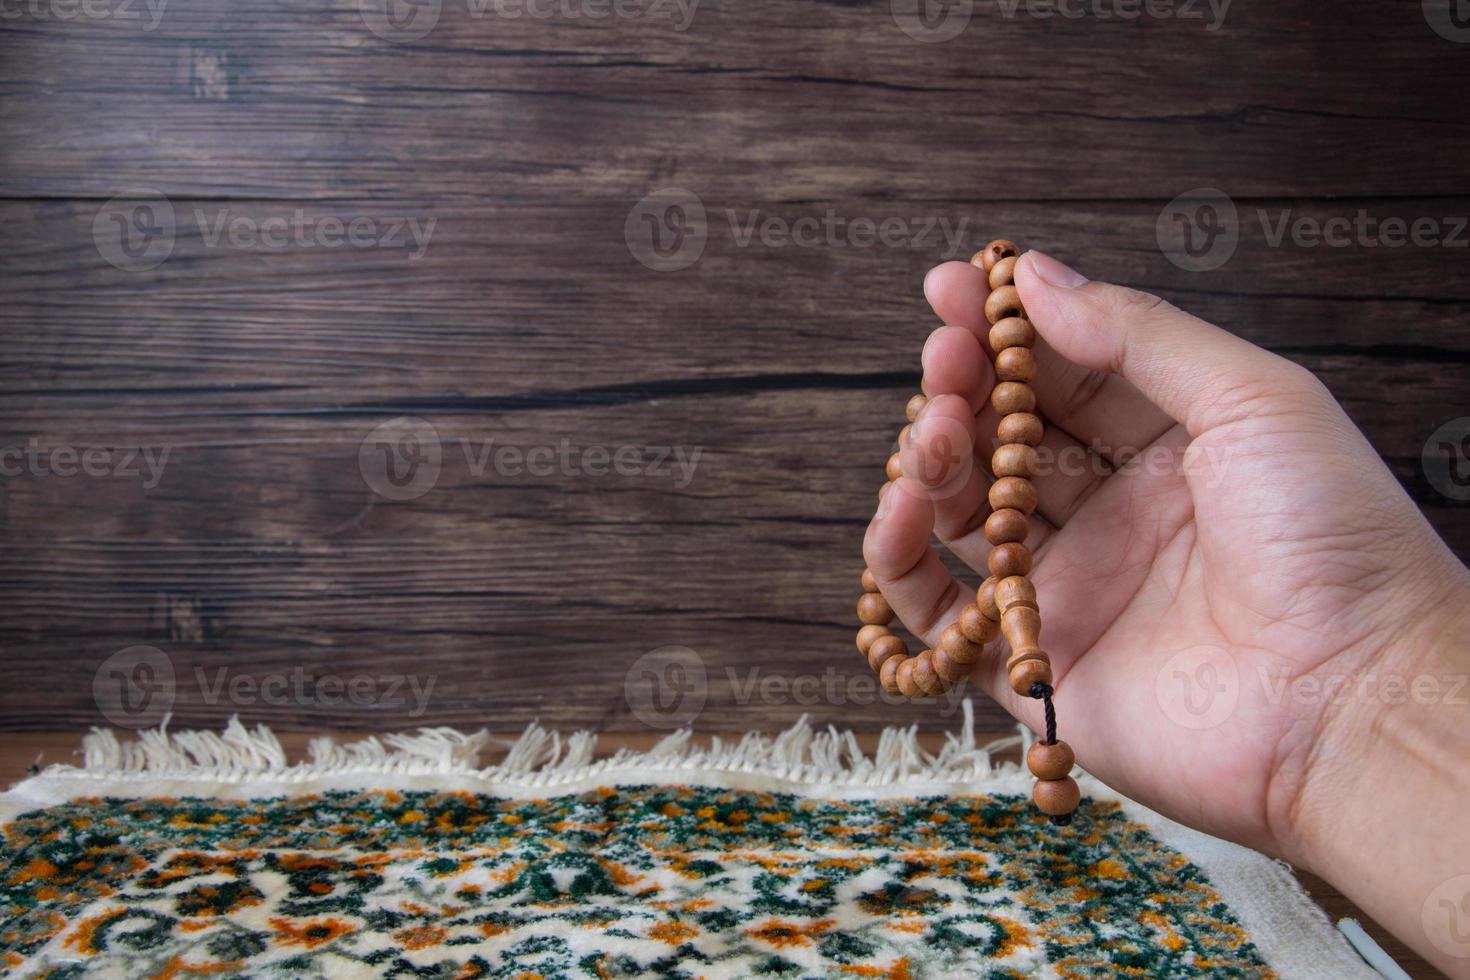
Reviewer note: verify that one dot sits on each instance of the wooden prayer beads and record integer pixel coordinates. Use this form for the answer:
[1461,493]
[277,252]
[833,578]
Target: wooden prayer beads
[1005,603]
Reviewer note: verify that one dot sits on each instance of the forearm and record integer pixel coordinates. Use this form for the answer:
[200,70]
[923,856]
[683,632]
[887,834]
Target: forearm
[1385,816]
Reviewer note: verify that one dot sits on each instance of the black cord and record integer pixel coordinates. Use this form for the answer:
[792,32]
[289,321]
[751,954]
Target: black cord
[1043,691]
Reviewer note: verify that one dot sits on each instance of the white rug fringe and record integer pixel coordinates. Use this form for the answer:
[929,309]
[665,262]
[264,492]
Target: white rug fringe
[540,757]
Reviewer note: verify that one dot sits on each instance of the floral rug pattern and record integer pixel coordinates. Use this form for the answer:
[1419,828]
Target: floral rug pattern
[667,881]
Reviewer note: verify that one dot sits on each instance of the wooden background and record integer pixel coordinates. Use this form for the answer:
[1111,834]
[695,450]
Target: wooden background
[529,320]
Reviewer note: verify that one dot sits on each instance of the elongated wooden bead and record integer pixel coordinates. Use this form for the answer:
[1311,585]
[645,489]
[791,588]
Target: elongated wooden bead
[1013,591]
[1056,797]
[873,609]
[915,406]
[1003,273]
[1029,673]
[1022,627]
[1003,303]
[988,256]
[885,648]
[1009,397]
[1010,559]
[976,627]
[1014,331]
[1014,459]
[869,635]
[888,675]
[1020,427]
[960,648]
[926,678]
[894,469]
[1050,760]
[1024,654]
[1013,492]
[1006,525]
[1015,364]
[985,599]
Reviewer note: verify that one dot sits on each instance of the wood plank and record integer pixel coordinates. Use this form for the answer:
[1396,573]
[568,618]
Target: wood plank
[752,100]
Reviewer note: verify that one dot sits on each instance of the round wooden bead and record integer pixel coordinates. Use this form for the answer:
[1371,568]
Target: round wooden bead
[1015,591]
[870,584]
[888,676]
[976,627]
[1015,331]
[926,678]
[915,406]
[1052,761]
[1028,673]
[988,256]
[907,685]
[1009,559]
[1014,459]
[985,600]
[1056,797]
[1003,273]
[1015,364]
[885,648]
[1004,303]
[903,435]
[1022,627]
[868,635]
[894,469]
[1012,396]
[1012,492]
[1006,525]
[960,648]
[950,669]
[872,608]
[1020,427]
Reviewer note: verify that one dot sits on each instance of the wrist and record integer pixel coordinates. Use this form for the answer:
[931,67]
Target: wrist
[1379,812]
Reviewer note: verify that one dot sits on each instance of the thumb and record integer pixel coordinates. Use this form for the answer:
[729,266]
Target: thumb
[1202,376]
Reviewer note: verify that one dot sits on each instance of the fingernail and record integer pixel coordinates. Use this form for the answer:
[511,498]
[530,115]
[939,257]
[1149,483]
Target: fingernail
[1054,273]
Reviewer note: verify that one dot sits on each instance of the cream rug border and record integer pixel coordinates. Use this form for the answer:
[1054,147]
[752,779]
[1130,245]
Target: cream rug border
[1293,935]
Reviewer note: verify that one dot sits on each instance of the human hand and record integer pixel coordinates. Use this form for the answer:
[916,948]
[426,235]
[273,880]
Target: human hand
[1238,524]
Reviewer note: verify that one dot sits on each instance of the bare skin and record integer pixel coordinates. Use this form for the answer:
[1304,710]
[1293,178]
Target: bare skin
[1253,629]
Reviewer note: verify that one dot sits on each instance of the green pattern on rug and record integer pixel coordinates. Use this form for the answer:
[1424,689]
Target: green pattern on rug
[666,881]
